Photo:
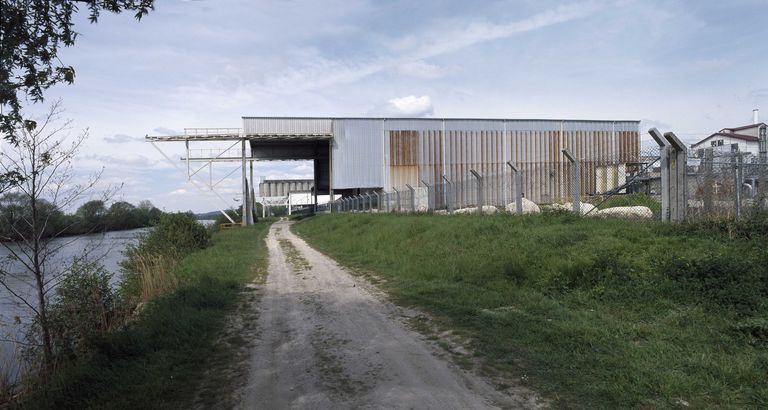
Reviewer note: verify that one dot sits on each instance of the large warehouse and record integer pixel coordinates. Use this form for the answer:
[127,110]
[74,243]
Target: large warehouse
[361,154]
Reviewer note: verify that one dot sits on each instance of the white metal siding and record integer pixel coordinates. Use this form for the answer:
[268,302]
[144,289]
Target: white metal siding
[358,154]
[252,125]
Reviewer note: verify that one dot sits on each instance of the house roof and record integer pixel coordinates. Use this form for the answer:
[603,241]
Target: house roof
[747,138]
[746,127]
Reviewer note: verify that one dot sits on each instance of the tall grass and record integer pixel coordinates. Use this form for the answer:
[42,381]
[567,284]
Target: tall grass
[156,360]
[156,275]
[591,313]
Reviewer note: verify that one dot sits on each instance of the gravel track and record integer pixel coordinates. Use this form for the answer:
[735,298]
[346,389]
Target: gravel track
[328,342]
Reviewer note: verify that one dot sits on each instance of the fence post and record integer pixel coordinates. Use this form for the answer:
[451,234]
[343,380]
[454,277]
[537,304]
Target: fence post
[517,182]
[430,202]
[737,178]
[678,164]
[370,202]
[448,192]
[378,202]
[386,200]
[413,197]
[397,198]
[709,181]
[664,167]
[762,170]
[479,191]
[575,181]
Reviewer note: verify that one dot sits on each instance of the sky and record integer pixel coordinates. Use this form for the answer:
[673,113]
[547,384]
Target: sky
[691,67]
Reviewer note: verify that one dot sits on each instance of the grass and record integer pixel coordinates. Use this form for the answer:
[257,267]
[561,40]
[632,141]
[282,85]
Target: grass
[590,313]
[158,360]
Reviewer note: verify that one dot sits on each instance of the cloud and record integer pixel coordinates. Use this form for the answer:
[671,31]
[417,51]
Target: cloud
[411,106]
[125,160]
[179,192]
[420,69]
[307,69]
[120,139]
[166,131]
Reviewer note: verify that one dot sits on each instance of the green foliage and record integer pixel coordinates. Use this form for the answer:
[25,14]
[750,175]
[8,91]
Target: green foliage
[83,311]
[174,237]
[92,216]
[753,225]
[32,32]
[233,213]
[731,280]
[596,313]
[158,359]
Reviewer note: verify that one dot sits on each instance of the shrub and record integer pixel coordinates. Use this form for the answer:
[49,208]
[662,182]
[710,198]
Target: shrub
[730,280]
[149,264]
[83,311]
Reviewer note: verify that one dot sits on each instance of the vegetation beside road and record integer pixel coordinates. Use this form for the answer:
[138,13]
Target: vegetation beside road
[178,291]
[91,217]
[591,313]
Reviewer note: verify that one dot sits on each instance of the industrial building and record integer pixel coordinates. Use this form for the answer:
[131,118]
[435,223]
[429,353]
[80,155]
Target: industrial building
[360,154]
[354,155]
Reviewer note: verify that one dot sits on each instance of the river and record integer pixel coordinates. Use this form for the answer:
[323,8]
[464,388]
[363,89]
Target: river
[107,248]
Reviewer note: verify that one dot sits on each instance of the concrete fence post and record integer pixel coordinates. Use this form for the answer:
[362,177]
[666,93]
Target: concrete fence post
[386,200]
[413,197]
[709,181]
[664,168]
[430,202]
[397,198]
[479,179]
[378,201]
[575,181]
[737,181]
[678,186]
[448,192]
[370,202]
[517,183]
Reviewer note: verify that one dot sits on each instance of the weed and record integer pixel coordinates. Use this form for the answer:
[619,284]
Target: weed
[595,313]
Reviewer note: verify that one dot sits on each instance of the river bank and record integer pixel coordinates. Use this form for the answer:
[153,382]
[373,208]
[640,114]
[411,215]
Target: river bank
[160,358]
[107,248]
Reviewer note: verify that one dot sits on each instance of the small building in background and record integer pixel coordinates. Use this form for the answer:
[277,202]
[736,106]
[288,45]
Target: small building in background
[746,138]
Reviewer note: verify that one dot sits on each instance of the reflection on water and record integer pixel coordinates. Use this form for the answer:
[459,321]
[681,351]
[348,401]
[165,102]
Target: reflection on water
[107,248]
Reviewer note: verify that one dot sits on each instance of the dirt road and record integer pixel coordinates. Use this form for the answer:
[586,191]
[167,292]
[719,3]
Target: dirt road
[329,343]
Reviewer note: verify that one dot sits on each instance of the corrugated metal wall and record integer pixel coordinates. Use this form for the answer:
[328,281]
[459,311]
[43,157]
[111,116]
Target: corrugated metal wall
[358,153]
[454,147]
[386,153]
[277,126]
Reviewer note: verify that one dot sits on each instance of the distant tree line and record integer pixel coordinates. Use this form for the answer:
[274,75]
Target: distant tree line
[91,217]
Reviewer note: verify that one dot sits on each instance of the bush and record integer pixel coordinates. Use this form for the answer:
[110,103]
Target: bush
[83,312]
[730,280]
[149,265]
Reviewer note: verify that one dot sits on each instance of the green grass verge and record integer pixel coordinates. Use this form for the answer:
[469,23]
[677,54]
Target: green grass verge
[590,313]
[158,360]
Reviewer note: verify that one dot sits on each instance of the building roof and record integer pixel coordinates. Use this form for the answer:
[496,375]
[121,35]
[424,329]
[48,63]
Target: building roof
[745,127]
[747,138]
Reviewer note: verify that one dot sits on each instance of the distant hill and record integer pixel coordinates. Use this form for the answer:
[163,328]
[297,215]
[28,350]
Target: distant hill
[207,215]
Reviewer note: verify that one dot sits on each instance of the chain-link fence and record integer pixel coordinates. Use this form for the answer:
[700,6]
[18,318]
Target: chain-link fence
[619,187]
[725,184]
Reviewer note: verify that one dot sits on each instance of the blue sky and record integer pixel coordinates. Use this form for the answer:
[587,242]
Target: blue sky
[691,67]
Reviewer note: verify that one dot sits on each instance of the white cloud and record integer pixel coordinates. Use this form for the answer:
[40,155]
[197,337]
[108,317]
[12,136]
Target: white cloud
[166,131]
[411,106]
[420,69]
[179,192]
[307,69]
[120,139]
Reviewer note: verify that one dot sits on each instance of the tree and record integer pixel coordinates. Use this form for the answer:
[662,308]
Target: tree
[92,216]
[43,156]
[31,33]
